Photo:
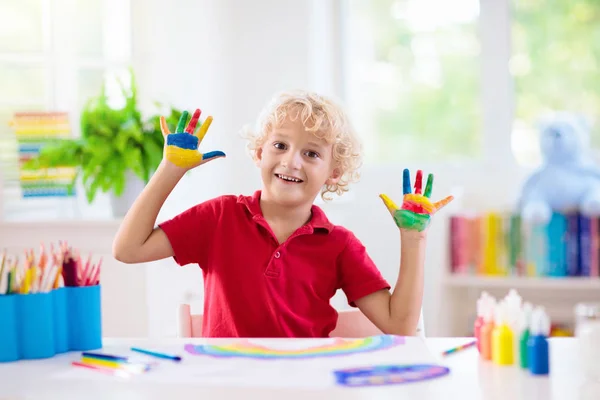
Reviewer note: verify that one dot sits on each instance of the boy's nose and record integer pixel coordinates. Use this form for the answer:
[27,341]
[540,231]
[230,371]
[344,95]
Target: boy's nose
[292,160]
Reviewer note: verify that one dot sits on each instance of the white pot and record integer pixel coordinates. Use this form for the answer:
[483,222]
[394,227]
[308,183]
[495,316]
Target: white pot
[133,187]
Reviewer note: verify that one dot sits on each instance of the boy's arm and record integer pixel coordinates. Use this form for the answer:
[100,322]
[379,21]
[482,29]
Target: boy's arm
[137,240]
[398,313]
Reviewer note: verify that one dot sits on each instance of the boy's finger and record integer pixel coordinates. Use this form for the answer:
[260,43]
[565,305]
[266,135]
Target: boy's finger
[182,121]
[204,128]
[406,182]
[164,127]
[391,206]
[428,186]
[419,182]
[193,122]
[442,203]
[212,154]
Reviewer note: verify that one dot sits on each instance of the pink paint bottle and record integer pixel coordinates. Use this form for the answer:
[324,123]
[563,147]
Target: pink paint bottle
[479,322]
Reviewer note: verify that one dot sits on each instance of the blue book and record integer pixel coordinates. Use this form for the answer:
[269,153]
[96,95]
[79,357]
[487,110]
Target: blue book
[585,245]
[556,232]
[573,253]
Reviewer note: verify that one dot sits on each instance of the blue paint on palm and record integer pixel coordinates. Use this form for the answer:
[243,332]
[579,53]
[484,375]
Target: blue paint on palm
[212,154]
[182,140]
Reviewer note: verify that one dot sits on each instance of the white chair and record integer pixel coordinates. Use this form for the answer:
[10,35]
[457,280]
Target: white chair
[351,324]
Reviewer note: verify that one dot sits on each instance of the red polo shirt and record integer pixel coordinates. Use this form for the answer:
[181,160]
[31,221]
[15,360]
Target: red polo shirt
[257,287]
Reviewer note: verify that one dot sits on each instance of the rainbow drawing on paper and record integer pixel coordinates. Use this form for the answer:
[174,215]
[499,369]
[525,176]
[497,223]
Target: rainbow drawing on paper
[338,347]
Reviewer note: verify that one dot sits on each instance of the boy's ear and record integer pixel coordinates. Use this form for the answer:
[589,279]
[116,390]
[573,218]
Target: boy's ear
[335,176]
[258,155]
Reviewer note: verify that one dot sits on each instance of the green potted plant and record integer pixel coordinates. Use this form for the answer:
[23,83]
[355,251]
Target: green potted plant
[116,147]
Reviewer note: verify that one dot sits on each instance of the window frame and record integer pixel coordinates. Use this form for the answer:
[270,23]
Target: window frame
[61,65]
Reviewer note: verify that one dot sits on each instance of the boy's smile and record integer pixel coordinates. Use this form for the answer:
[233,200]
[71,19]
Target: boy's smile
[289,178]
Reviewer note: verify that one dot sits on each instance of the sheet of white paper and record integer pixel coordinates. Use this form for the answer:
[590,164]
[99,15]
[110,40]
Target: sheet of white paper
[312,373]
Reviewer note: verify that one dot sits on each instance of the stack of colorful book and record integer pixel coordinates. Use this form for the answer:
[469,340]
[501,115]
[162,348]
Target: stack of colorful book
[502,244]
[34,131]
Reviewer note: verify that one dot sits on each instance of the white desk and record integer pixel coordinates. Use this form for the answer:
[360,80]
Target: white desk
[469,378]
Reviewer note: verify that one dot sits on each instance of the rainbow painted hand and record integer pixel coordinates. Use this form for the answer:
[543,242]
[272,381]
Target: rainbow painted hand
[181,147]
[416,210]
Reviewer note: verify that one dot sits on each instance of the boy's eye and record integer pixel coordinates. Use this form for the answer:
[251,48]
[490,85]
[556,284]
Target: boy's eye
[312,154]
[279,145]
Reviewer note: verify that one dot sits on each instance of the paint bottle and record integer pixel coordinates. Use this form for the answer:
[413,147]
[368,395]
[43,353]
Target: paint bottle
[502,337]
[479,319]
[537,344]
[487,328]
[523,337]
[513,311]
[587,331]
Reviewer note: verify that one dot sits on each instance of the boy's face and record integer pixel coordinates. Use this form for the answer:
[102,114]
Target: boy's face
[295,164]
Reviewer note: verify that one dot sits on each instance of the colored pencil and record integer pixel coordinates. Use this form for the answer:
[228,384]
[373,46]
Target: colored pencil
[459,348]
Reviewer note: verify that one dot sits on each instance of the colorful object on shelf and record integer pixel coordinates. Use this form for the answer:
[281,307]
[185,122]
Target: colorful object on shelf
[501,244]
[388,374]
[416,210]
[182,146]
[336,347]
[34,131]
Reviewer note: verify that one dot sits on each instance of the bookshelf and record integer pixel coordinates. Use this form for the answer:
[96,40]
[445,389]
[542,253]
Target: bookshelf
[558,295]
[518,283]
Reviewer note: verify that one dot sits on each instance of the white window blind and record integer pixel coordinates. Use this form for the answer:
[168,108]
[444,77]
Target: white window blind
[54,55]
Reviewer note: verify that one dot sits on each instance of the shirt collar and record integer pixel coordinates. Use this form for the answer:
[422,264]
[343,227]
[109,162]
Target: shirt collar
[318,219]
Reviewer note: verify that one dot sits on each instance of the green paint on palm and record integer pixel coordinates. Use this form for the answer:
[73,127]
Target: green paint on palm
[406,219]
[182,122]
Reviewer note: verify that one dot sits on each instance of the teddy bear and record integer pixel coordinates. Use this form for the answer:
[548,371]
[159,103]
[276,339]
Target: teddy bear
[568,180]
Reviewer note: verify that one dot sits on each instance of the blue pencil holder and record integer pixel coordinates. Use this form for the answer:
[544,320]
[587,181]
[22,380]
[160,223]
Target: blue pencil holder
[61,331]
[84,317]
[9,346]
[35,325]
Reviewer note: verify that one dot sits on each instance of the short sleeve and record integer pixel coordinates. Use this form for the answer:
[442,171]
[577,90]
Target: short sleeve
[359,276]
[191,232]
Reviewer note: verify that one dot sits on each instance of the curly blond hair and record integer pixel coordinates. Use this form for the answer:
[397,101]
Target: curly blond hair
[320,115]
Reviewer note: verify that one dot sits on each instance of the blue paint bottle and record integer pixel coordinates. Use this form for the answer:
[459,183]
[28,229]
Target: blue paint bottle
[537,345]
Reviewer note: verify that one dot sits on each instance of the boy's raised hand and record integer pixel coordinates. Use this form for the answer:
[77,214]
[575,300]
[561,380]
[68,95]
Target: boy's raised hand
[416,210]
[181,147]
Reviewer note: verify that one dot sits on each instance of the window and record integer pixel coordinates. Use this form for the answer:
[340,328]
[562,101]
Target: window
[413,77]
[432,80]
[555,65]
[54,54]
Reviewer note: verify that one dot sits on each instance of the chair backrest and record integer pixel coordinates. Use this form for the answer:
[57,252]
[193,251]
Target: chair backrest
[351,324]
[190,325]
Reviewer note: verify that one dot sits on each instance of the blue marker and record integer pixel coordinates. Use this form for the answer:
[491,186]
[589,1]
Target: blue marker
[156,354]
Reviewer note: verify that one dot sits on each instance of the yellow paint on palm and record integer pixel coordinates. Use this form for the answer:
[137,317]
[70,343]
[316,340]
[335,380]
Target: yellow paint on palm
[183,158]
